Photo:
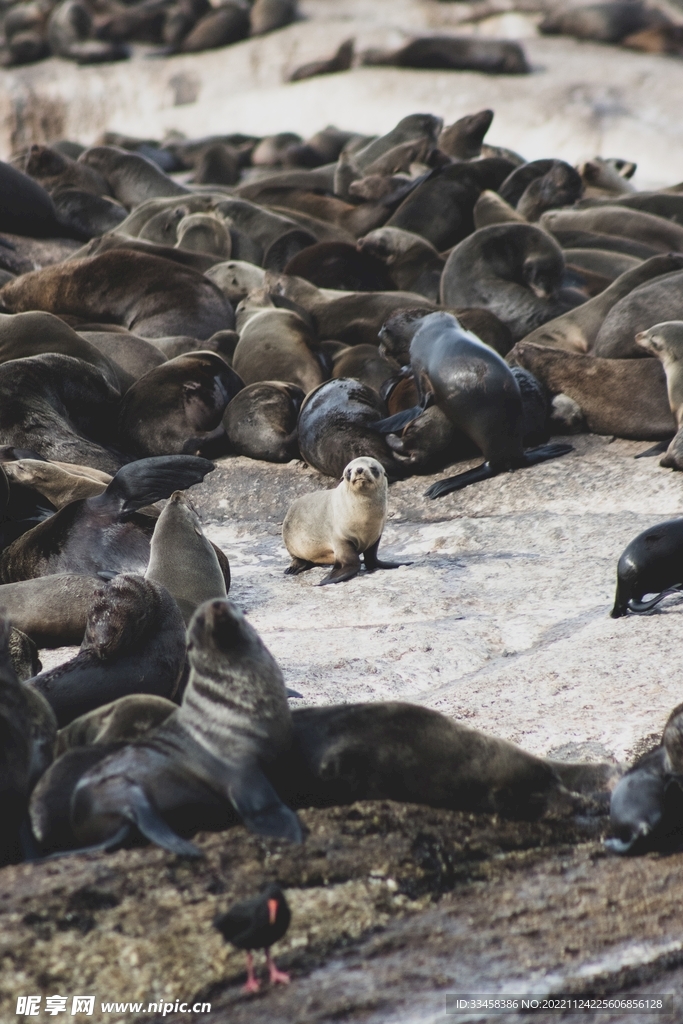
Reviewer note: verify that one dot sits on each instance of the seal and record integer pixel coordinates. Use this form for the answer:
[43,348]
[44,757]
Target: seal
[59,485]
[182,560]
[209,756]
[665,342]
[131,355]
[514,270]
[205,233]
[647,804]
[134,643]
[658,301]
[450,53]
[337,527]
[60,407]
[125,719]
[412,261]
[651,564]
[261,421]
[577,330]
[336,421]
[178,406]
[277,344]
[621,397]
[51,610]
[139,291]
[340,266]
[474,387]
[647,228]
[397,330]
[399,751]
[463,139]
[29,731]
[131,177]
[364,363]
[102,534]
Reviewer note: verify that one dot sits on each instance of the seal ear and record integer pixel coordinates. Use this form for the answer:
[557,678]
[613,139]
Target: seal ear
[259,806]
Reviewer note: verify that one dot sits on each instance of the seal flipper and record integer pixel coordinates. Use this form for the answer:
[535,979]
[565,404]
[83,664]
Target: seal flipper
[372,562]
[639,607]
[143,482]
[259,806]
[656,449]
[396,422]
[150,823]
[484,472]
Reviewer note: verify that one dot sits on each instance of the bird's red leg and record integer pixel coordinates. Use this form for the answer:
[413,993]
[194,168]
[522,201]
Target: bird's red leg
[252,984]
[276,977]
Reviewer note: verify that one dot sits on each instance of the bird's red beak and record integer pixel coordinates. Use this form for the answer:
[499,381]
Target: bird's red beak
[272,911]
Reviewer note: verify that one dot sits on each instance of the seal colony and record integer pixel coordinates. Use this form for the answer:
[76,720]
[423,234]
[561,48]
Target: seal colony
[377,307]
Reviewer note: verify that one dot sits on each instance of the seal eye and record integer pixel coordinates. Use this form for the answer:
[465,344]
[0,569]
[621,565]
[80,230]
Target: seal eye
[375,472]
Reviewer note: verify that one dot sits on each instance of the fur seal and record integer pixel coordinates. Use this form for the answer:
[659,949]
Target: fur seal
[51,610]
[60,407]
[26,208]
[337,527]
[515,270]
[397,331]
[261,421]
[178,406]
[236,279]
[102,534]
[341,60]
[277,344]
[665,342]
[663,235]
[336,421]
[578,329]
[412,262]
[400,751]
[463,139]
[657,301]
[182,560]
[127,718]
[132,178]
[131,355]
[646,808]
[651,564]
[451,53]
[204,232]
[200,261]
[340,266]
[134,643]
[70,35]
[474,387]
[220,26]
[28,732]
[59,485]
[601,22]
[621,397]
[210,754]
[146,294]
[268,15]
[364,363]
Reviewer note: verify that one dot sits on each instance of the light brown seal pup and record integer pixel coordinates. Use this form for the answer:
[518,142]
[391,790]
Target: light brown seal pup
[665,341]
[336,527]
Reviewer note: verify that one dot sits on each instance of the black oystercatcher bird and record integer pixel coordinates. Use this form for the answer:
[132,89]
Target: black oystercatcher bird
[257,924]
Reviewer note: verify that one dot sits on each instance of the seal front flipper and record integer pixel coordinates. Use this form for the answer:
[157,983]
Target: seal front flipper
[398,421]
[143,482]
[298,565]
[372,562]
[259,806]
[456,483]
[150,823]
[544,452]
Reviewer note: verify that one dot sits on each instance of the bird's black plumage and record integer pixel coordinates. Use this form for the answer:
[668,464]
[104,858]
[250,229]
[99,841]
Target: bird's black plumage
[247,925]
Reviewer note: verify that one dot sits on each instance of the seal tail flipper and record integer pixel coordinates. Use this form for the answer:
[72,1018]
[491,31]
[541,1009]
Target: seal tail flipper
[110,845]
[396,422]
[544,452]
[656,449]
[141,483]
[456,483]
[153,827]
[645,606]
[259,806]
